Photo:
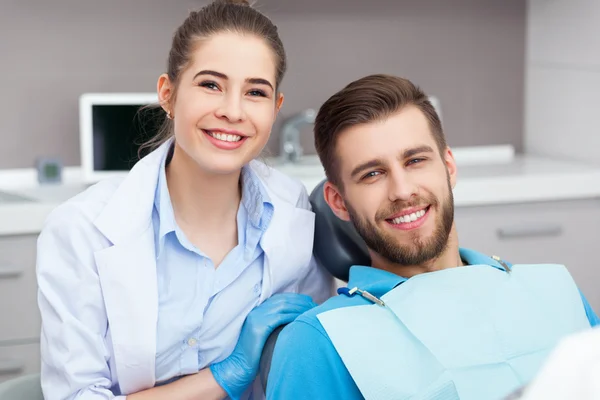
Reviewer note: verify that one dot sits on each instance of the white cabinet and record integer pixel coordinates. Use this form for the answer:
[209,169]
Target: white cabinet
[19,314]
[19,359]
[565,232]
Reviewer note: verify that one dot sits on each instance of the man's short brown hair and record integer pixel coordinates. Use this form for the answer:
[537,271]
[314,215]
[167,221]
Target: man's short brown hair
[369,99]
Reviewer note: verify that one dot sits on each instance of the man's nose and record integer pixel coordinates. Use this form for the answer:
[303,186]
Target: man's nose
[401,186]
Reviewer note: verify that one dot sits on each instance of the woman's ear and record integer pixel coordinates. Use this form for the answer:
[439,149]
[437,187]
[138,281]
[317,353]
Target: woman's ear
[278,103]
[164,89]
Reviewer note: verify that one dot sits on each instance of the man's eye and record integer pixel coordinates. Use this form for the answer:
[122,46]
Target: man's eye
[415,161]
[370,174]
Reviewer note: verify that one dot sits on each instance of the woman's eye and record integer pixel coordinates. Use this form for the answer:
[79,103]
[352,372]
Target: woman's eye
[209,85]
[257,92]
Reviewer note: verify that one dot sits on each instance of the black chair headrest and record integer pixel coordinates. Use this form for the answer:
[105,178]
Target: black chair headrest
[337,245]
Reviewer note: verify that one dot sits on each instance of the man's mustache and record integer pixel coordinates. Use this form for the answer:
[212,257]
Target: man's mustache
[398,206]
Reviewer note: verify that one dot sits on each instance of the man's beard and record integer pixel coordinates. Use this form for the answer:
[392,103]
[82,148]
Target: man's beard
[420,250]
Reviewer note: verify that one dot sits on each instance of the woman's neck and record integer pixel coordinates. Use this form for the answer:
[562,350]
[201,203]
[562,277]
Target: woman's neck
[199,198]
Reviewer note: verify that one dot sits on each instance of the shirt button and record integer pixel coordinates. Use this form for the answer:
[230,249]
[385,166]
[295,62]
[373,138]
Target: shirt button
[256,288]
[191,342]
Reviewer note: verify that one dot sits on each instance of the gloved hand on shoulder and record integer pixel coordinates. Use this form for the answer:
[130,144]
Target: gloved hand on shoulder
[235,373]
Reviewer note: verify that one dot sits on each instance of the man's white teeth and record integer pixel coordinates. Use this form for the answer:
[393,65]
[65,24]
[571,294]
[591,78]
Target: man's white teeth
[225,137]
[409,218]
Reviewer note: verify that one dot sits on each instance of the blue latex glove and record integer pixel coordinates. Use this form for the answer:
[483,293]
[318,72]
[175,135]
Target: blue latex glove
[235,373]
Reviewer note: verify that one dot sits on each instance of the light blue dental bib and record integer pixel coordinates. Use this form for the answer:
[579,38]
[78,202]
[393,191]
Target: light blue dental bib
[489,332]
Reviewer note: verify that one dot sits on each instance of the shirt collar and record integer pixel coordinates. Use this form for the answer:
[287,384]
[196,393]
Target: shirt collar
[375,281]
[378,282]
[162,200]
[472,257]
[255,199]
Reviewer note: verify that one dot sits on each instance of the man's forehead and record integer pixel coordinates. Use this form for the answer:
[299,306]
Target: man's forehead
[385,139]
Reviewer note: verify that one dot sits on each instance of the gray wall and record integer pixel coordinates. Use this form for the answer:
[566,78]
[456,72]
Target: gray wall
[563,79]
[469,53]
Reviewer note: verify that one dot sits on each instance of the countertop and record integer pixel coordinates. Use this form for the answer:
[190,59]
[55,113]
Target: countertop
[521,179]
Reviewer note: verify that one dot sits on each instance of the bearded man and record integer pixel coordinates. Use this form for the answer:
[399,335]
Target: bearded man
[428,319]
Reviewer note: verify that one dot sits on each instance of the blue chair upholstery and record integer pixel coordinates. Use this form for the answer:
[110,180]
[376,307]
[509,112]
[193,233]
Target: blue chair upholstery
[337,244]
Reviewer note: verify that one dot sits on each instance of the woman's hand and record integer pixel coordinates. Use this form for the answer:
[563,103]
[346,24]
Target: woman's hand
[238,371]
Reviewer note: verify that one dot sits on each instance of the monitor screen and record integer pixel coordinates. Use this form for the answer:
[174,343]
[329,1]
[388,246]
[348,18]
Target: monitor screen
[113,127]
[118,132]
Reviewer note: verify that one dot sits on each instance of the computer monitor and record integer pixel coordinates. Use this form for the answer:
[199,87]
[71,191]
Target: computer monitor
[112,128]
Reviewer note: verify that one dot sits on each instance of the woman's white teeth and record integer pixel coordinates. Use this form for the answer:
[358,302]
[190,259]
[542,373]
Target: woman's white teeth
[225,137]
[409,217]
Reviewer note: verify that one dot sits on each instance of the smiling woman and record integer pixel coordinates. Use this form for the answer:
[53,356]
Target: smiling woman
[224,104]
[154,283]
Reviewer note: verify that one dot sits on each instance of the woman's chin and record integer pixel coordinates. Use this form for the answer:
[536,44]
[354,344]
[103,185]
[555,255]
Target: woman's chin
[222,165]
[220,162]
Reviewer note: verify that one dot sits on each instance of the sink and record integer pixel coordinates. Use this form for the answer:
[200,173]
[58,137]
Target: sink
[308,169]
[309,165]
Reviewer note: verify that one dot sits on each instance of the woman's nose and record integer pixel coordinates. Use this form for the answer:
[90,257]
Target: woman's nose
[231,109]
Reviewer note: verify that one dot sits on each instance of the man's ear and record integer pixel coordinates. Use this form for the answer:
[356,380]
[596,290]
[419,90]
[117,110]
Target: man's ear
[450,163]
[334,199]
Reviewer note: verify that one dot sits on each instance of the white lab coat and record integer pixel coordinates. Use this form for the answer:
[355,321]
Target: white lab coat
[96,272]
[572,371]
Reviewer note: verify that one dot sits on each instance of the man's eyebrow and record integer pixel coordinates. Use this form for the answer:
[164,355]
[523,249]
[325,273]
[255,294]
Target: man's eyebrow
[416,150]
[378,162]
[366,165]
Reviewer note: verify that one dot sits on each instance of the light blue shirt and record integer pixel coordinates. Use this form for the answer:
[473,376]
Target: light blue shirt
[305,363]
[201,309]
